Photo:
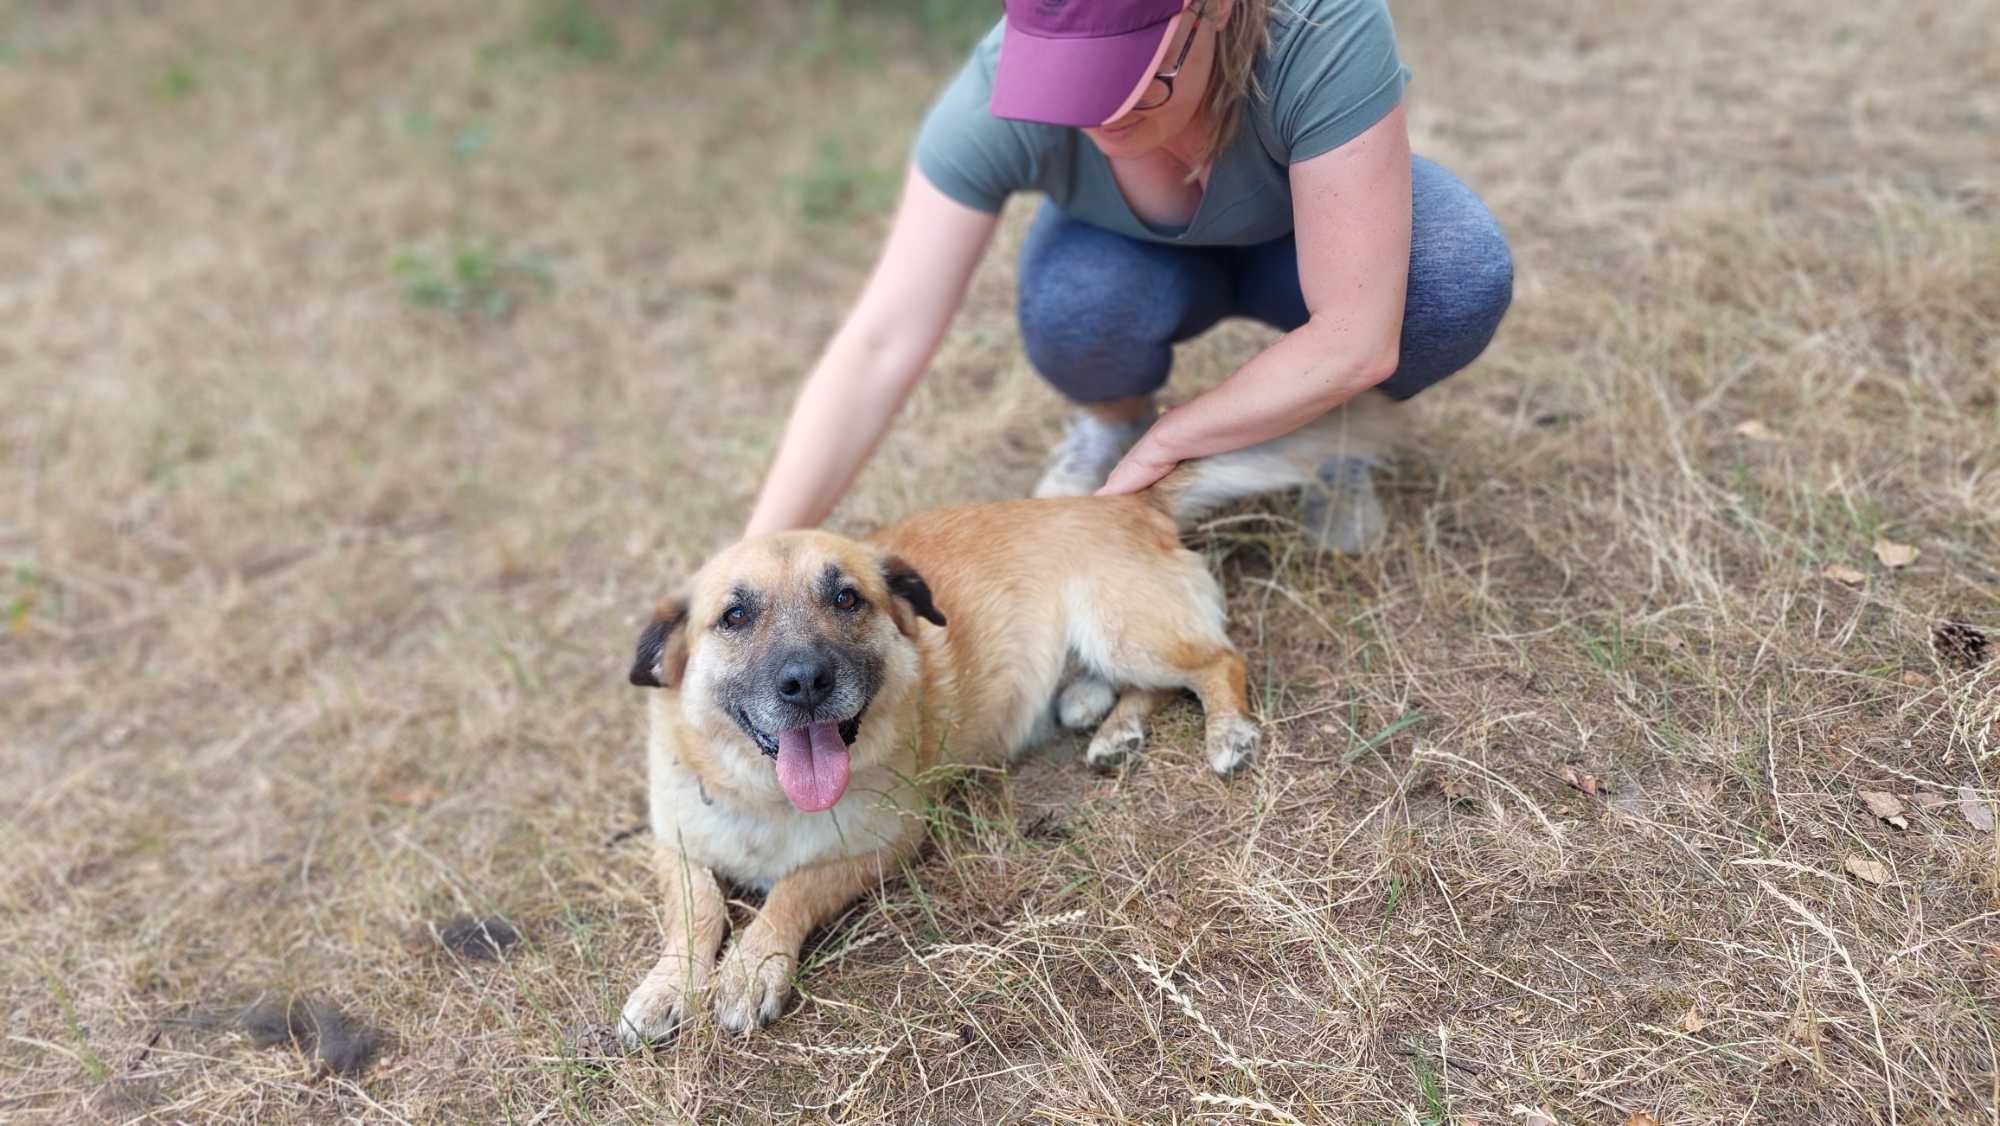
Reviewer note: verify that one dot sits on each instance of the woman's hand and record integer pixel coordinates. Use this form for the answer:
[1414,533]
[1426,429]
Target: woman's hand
[1145,463]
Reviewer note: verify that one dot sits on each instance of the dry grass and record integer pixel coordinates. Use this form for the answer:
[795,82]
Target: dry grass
[368,372]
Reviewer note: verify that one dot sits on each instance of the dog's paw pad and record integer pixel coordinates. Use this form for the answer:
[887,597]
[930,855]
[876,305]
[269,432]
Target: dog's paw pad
[1232,742]
[1085,703]
[1112,746]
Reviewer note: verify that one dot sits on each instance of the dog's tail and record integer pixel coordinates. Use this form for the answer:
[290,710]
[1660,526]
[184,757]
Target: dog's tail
[1364,427]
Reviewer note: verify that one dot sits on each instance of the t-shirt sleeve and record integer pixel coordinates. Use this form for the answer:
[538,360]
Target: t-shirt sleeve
[1338,74]
[966,152]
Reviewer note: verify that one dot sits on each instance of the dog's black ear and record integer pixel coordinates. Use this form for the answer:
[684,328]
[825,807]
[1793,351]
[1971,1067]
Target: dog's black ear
[662,654]
[909,587]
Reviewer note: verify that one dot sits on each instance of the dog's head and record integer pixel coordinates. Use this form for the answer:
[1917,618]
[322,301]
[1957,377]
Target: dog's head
[778,649]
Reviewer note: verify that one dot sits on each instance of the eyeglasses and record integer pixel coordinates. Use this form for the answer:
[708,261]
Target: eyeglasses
[1161,89]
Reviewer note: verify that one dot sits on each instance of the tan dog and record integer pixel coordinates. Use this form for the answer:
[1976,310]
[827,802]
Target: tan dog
[811,682]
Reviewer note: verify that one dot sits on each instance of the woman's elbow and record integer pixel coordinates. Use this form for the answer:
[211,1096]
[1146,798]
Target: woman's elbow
[1354,367]
[1377,365]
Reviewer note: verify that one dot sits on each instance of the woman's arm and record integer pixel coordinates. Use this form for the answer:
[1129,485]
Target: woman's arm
[1351,214]
[872,362]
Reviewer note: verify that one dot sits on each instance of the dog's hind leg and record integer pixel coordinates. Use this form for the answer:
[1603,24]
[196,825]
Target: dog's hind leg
[1218,676]
[1085,701]
[1123,732]
[1160,627]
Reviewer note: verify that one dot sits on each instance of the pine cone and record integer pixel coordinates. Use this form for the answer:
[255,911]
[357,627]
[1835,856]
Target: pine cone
[1960,645]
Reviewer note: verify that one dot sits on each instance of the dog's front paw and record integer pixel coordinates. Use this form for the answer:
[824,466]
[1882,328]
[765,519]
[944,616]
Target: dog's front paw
[1232,742]
[655,1010]
[753,983]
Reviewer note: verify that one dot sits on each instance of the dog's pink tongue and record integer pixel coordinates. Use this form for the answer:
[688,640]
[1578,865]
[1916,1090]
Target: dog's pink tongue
[812,766]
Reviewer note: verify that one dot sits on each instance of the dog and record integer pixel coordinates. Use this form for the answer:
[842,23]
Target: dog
[809,684]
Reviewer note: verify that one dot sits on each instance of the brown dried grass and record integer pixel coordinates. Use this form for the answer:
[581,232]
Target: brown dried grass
[319,588]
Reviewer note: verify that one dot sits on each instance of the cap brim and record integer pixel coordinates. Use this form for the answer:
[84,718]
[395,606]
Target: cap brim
[1076,82]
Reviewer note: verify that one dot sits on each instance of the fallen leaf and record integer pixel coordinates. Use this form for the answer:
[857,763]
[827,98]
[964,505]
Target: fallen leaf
[1841,573]
[1895,555]
[1976,809]
[1692,1022]
[1871,870]
[1641,1118]
[417,795]
[1916,679]
[1585,782]
[1755,430]
[1885,806]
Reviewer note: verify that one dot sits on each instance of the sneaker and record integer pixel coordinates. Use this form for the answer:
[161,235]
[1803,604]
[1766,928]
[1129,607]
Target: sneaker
[1341,512]
[1089,450]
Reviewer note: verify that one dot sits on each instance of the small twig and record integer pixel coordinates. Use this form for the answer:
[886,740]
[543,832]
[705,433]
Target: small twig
[1246,1104]
[875,1056]
[144,1050]
[1946,933]
[1789,866]
[1413,1052]
[1489,775]
[1565,1006]
[625,834]
[1947,787]
[1230,1055]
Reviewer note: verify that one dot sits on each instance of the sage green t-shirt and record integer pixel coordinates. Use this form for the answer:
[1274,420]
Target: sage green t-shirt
[1329,71]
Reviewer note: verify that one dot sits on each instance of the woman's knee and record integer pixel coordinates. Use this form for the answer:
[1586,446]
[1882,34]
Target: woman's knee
[1081,338]
[1461,268]
[1097,312]
[1461,280]
[1488,265]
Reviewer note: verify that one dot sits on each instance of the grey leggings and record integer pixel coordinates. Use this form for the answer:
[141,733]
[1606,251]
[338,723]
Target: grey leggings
[1100,312]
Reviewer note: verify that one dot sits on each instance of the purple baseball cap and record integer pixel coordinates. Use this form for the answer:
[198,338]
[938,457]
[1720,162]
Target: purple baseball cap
[1078,62]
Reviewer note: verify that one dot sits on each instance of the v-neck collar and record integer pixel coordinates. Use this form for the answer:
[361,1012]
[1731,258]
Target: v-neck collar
[1221,181]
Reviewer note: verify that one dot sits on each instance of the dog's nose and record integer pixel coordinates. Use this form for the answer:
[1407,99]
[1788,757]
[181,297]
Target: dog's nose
[805,681]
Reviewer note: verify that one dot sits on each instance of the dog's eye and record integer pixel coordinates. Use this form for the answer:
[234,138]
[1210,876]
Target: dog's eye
[847,599]
[734,617]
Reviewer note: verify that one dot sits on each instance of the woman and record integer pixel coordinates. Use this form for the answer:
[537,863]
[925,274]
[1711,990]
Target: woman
[1201,159]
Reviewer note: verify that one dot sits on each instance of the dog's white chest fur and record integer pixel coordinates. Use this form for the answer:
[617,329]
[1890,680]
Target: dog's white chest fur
[759,843]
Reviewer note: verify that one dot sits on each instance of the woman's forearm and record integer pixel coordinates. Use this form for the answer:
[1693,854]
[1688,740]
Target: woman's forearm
[871,364]
[1303,375]
[839,418]
[1306,373]
[1351,210]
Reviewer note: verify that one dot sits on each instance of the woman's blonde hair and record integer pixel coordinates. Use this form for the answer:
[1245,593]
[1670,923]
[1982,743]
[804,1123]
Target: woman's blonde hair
[1232,81]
